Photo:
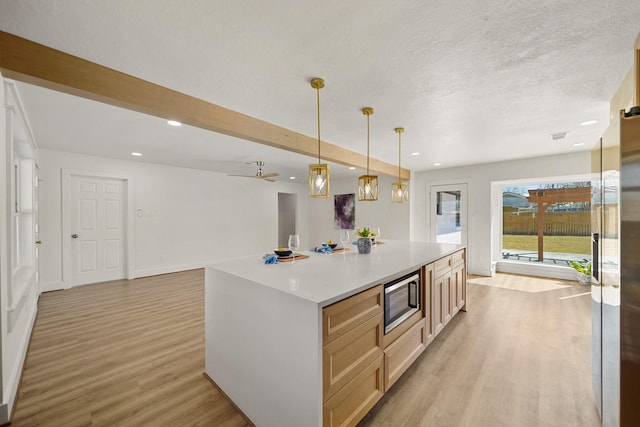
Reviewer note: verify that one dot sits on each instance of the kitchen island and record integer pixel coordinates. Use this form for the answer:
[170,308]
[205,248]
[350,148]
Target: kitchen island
[302,344]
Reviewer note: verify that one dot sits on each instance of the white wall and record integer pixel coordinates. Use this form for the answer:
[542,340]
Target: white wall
[392,218]
[189,217]
[484,204]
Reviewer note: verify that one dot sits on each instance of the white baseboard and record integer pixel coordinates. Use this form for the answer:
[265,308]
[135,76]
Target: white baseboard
[169,269]
[481,272]
[52,286]
[533,269]
[4,413]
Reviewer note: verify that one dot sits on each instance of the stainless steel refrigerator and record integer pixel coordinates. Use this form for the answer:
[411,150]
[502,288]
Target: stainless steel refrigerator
[615,287]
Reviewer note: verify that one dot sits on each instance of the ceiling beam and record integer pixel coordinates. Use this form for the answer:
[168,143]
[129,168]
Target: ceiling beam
[30,62]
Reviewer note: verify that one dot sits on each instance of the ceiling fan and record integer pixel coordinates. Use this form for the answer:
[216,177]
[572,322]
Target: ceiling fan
[259,174]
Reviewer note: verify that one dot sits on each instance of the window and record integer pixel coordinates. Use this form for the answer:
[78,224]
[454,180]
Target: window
[547,222]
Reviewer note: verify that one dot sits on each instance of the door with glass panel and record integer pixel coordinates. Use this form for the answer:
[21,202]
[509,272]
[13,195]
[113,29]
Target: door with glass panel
[448,214]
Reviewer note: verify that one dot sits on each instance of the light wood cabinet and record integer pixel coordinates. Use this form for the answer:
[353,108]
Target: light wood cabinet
[342,316]
[453,296]
[346,356]
[459,282]
[438,319]
[359,362]
[349,405]
[442,301]
[352,357]
[449,288]
[428,302]
[442,266]
[402,353]
[446,297]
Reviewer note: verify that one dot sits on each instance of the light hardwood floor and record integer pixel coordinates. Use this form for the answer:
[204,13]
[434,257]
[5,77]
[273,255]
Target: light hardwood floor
[124,353]
[515,359]
[131,353]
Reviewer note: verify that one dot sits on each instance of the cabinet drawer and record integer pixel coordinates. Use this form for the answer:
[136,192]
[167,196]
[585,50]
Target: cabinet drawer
[457,258]
[402,353]
[401,328]
[339,318]
[346,356]
[442,266]
[355,399]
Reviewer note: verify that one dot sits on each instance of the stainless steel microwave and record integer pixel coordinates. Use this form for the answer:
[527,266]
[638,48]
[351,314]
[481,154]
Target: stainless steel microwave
[401,300]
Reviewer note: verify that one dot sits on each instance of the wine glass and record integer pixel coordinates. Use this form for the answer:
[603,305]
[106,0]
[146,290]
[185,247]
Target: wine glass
[294,244]
[344,238]
[378,234]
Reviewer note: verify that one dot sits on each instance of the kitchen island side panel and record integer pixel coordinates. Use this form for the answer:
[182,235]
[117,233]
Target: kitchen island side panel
[263,348]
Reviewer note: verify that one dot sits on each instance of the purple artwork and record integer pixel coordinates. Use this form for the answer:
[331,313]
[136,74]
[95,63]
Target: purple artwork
[345,211]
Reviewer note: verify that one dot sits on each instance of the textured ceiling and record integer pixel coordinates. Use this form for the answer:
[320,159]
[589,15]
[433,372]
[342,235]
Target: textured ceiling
[472,82]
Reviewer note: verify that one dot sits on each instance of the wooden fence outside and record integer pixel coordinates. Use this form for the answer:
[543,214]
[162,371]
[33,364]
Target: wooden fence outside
[555,223]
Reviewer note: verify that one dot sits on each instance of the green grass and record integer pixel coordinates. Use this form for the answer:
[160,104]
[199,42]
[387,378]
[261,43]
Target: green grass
[562,244]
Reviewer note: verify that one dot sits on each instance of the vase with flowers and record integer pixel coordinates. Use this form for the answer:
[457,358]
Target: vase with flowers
[365,235]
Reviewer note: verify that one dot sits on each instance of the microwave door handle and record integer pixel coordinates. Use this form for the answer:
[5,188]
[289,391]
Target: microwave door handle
[413,294]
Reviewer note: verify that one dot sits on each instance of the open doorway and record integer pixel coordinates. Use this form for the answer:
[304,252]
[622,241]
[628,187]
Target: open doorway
[545,226]
[286,217]
[449,214]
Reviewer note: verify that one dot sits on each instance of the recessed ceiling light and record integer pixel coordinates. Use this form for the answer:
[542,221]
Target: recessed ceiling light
[352,168]
[174,123]
[415,153]
[292,177]
[136,154]
[437,164]
[588,122]
[578,144]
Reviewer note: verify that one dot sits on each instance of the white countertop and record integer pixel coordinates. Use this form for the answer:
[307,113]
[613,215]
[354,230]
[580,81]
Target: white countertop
[327,278]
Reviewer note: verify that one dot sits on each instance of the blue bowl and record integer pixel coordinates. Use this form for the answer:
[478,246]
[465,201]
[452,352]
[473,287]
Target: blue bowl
[283,254]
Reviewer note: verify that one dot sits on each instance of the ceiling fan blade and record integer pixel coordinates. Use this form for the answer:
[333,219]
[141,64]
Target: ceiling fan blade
[263,177]
[259,174]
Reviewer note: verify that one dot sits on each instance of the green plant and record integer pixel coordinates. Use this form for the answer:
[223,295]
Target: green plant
[581,268]
[365,232]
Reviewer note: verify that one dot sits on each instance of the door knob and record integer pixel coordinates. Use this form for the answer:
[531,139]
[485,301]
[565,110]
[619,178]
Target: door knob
[74,236]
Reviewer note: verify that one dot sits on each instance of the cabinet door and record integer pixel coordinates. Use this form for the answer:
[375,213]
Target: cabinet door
[446,297]
[459,280]
[453,295]
[428,303]
[343,316]
[346,356]
[402,353]
[438,312]
[349,405]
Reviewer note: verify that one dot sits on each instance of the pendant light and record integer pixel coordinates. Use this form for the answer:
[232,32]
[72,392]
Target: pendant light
[368,184]
[400,189]
[318,172]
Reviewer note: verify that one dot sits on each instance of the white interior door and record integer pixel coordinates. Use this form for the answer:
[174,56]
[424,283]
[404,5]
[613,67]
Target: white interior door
[448,214]
[97,229]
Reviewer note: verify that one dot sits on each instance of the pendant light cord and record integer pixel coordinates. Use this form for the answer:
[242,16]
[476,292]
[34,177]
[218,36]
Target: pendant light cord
[399,132]
[399,156]
[368,144]
[318,100]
